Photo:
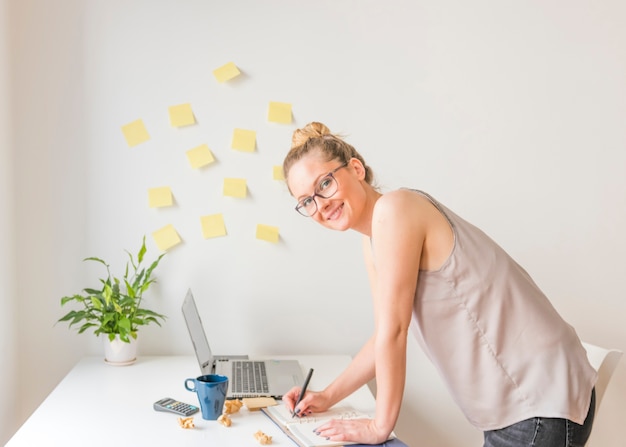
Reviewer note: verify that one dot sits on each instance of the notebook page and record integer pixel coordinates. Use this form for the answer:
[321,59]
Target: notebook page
[304,428]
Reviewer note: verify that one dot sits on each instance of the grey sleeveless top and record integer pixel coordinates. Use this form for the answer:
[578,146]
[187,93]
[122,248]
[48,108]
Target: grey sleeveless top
[503,350]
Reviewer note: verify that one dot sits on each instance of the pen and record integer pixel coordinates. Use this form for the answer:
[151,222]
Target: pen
[302,391]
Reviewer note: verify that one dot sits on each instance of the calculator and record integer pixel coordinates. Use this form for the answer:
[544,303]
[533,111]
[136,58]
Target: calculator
[173,406]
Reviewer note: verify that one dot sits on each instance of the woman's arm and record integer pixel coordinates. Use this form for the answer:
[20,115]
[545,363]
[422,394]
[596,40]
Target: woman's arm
[363,367]
[398,234]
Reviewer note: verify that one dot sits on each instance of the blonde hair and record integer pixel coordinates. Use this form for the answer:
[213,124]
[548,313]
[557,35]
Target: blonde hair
[316,137]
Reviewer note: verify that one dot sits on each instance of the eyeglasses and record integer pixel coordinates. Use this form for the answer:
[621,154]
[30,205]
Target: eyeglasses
[326,188]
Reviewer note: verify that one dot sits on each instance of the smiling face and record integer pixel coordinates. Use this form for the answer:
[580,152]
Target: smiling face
[343,209]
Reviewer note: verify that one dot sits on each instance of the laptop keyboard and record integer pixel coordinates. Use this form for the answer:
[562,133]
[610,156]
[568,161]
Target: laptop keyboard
[249,377]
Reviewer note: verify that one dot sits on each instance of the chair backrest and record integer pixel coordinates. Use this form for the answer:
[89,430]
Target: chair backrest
[604,361]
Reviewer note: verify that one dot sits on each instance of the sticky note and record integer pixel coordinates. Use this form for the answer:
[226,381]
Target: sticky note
[181,115]
[256,403]
[267,233]
[213,226]
[226,72]
[158,197]
[135,133]
[235,187]
[278,173]
[279,112]
[200,156]
[166,237]
[244,140]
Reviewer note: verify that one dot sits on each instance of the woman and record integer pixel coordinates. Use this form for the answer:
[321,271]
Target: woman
[516,369]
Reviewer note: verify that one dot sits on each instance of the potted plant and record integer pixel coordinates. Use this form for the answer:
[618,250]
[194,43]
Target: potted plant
[114,309]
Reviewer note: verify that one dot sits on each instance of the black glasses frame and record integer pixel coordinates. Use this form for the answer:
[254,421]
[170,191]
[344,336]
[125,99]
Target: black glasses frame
[300,207]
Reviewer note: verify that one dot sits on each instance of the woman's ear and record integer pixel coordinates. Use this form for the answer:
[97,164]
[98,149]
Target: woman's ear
[357,167]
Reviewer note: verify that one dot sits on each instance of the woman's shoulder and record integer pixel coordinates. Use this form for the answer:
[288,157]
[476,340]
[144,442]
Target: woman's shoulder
[400,220]
[401,208]
[404,199]
[406,207]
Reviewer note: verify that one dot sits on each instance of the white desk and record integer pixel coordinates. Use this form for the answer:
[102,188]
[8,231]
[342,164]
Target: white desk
[102,405]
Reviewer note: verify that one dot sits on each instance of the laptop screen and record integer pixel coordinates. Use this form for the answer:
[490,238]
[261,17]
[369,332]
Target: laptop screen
[196,331]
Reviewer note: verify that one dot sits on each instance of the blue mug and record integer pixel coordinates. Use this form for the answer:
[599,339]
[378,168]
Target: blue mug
[211,390]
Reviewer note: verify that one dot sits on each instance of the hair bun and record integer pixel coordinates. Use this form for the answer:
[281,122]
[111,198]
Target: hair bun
[311,130]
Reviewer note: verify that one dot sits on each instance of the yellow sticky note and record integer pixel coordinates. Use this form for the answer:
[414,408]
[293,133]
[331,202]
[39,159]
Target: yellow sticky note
[278,173]
[235,187]
[135,133]
[213,226]
[200,156]
[158,197]
[166,237]
[267,233]
[244,140]
[181,115]
[279,112]
[226,72]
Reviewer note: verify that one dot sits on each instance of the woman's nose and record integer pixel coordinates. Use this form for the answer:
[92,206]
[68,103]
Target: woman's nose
[322,202]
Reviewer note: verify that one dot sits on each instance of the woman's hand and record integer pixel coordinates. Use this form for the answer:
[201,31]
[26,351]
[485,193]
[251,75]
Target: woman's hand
[312,402]
[350,430]
[362,431]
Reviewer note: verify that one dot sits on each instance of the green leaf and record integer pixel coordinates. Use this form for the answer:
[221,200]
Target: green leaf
[68,316]
[142,251]
[66,299]
[145,286]
[151,320]
[86,326]
[107,293]
[130,289]
[92,291]
[107,318]
[154,265]
[139,279]
[142,312]
[78,316]
[97,260]
[125,324]
[117,307]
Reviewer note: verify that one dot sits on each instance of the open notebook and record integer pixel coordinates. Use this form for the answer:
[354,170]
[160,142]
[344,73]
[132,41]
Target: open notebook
[302,430]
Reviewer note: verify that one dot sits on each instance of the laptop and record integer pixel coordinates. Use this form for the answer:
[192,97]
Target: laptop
[247,377]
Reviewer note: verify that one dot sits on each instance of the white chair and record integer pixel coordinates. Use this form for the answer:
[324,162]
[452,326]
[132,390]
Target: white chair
[604,361]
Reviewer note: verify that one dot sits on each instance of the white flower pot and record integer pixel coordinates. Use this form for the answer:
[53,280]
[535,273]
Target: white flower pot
[119,353]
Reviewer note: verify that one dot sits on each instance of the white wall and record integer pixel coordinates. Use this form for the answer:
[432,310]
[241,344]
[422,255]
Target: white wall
[50,187]
[510,114]
[8,340]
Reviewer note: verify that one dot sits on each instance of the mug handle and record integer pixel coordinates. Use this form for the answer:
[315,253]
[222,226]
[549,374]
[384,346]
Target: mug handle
[194,384]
